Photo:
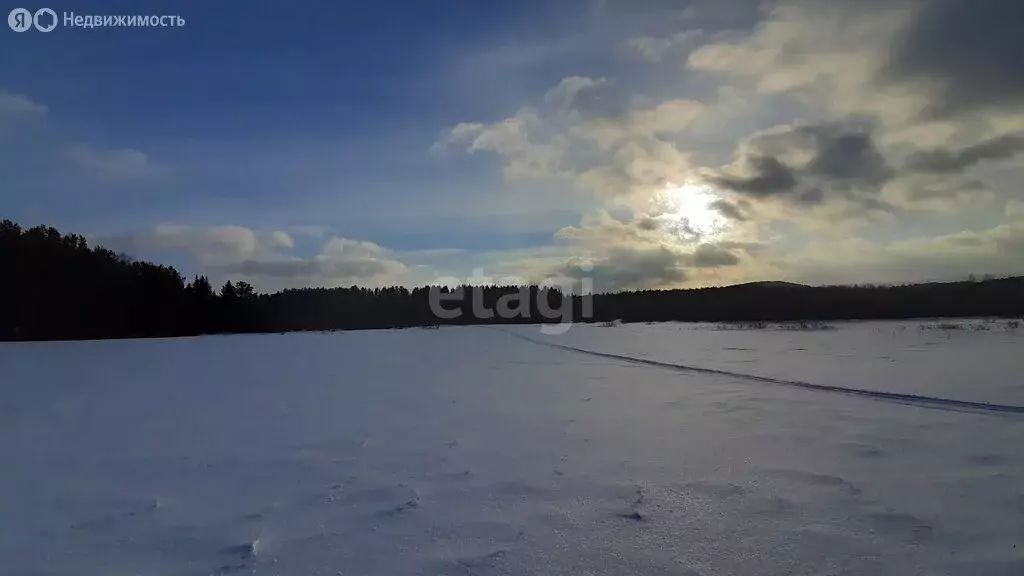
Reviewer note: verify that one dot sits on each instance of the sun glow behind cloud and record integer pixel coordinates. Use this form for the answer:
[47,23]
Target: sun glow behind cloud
[688,210]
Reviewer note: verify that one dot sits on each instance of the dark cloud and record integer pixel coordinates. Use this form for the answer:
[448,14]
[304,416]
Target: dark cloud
[843,161]
[761,176]
[628,267]
[647,223]
[728,210]
[951,161]
[847,155]
[712,256]
[812,196]
[633,266]
[972,50]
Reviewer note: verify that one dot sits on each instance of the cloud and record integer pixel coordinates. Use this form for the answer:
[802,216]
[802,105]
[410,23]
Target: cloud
[241,253]
[846,154]
[734,58]
[885,85]
[826,55]
[729,210]
[342,261]
[571,92]
[712,256]
[623,262]
[120,164]
[935,192]
[629,267]
[18,105]
[43,163]
[799,44]
[282,239]
[611,155]
[522,141]
[947,257]
[667,117]
[212,245]
[655,49]
[968,52]
[828,125]
[808,165]
[635,168]
[599,228]
[642,252]
[951,161]
[907,61]
[758,176]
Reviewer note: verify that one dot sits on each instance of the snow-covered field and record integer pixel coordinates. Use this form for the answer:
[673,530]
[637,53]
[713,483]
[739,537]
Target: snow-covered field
[474,451]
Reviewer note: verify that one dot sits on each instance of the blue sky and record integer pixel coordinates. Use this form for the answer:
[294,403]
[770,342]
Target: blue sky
[269,117]
[333,143]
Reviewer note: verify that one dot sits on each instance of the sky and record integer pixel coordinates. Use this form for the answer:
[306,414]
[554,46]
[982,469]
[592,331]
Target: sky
[639,144]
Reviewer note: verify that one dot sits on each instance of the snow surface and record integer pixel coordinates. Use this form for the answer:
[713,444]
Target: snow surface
[473,451]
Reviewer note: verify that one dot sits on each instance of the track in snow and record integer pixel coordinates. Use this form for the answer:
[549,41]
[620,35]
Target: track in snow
[911,399]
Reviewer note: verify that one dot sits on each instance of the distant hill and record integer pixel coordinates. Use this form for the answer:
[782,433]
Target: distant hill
[769,284]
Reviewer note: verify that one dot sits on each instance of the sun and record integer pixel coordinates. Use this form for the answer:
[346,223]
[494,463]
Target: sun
[690,207]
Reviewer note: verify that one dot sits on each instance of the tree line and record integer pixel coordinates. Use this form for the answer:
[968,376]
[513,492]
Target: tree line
[56,287]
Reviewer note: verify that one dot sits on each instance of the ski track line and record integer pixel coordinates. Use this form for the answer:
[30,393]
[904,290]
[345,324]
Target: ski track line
[911,399]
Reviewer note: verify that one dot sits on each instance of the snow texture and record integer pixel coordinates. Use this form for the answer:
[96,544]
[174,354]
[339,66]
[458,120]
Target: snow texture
[632,449]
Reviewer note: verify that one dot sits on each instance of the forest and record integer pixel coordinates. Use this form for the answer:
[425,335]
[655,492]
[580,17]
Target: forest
[58,287]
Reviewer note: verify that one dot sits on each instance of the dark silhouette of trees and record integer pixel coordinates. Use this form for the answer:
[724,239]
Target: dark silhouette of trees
[56,286]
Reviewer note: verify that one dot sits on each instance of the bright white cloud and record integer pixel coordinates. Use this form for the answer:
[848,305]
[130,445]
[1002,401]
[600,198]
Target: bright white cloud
[613,156]
[214,245]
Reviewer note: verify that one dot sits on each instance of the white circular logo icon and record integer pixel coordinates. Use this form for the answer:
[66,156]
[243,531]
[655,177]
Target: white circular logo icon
[45,25]
[20,19]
